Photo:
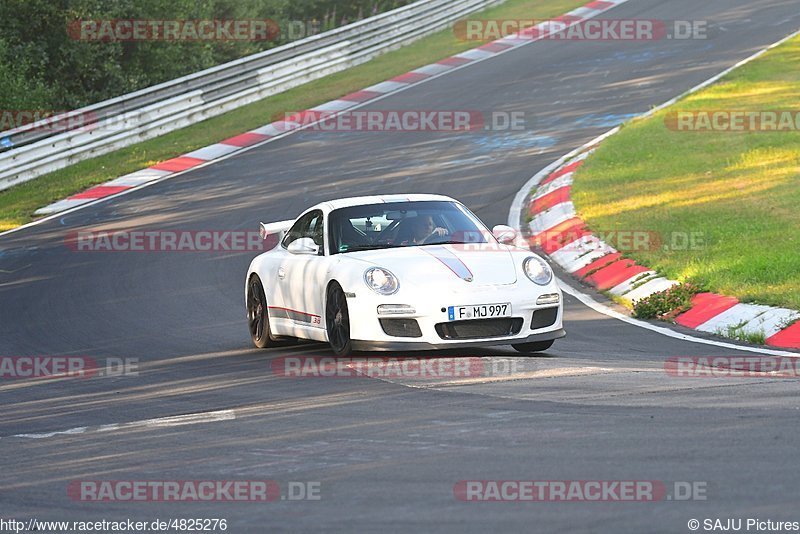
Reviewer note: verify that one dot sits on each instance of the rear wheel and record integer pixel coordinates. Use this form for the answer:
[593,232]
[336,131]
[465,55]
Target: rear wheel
[337,321]
[528,348]
[257,315]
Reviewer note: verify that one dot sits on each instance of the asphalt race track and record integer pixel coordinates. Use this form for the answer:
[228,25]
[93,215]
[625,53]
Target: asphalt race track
[387,453]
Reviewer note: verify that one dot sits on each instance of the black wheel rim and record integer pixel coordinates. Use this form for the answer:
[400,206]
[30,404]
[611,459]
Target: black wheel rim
[256,310]
[337,319]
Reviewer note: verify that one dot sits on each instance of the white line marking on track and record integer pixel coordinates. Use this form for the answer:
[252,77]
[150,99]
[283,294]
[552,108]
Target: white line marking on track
[605,310]
[160,422]
[79,430]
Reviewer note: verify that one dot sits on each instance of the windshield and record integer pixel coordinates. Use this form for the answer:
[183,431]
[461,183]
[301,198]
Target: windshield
[403,224]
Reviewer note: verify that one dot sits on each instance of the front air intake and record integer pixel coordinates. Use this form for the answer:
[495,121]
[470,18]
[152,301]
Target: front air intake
[401,327]
[480,328]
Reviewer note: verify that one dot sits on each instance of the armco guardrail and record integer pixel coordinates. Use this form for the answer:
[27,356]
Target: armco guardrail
[31,151]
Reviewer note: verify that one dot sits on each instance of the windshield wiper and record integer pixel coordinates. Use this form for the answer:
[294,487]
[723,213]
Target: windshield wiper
[357,248]
[450,243]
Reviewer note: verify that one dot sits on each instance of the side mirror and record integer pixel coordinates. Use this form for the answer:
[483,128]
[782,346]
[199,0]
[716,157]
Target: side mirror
[304,245]
[504,234]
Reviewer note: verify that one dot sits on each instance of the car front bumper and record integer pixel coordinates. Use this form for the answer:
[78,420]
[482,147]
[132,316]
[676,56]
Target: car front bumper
[430,309]
[415,344]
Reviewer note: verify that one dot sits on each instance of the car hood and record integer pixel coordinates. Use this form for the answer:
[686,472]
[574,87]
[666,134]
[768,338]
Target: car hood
[444,264]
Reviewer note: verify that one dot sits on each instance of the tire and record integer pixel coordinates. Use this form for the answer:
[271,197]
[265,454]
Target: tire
[529,348]
[257,314]
[337,321]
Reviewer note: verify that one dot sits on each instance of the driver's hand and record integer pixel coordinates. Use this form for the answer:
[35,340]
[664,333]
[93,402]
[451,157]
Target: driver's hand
[439,231]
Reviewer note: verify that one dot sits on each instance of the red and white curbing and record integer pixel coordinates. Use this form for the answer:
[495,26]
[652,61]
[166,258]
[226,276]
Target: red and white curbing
[557,229]
[281,128]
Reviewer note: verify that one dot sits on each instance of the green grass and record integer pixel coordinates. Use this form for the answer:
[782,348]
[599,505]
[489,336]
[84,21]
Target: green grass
[740,191]
[738,332]
[18,204]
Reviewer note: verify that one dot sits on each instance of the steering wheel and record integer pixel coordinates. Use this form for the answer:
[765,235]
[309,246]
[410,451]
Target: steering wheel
[430,239]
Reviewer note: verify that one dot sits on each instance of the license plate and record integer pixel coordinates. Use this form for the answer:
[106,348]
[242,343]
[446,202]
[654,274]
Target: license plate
[478,311]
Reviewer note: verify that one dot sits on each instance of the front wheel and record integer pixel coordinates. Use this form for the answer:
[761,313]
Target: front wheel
[257,315]
[528,348]
[337,321]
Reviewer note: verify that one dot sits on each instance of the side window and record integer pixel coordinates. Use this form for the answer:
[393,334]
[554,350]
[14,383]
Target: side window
[315,230]
[310,225]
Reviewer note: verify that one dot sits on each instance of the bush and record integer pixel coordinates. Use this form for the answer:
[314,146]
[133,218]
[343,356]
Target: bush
[42,67]
[20,87]
[666,305]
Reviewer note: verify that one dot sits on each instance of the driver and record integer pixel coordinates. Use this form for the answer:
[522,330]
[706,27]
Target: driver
[422,228]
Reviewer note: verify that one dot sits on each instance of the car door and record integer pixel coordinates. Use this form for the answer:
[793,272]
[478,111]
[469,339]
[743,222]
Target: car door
[299,273]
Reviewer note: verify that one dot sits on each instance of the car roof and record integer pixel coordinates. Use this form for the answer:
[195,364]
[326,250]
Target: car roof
[377,199]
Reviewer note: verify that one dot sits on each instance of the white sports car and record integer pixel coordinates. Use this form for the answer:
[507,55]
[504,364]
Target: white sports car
[400,272]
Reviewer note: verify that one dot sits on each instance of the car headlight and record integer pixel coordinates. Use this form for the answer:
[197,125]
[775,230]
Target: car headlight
[537,270]
[381,281]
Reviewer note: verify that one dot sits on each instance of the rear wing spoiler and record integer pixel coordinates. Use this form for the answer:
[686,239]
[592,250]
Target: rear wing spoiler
[279,228]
